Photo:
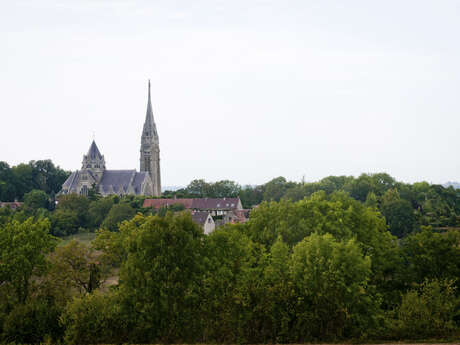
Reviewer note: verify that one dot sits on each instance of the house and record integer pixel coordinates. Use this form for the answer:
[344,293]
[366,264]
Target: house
[204,219]
[226,210]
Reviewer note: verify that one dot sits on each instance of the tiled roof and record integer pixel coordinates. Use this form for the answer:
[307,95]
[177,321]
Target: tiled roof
[215,203]
[196,204]
[200,217]
[158,203]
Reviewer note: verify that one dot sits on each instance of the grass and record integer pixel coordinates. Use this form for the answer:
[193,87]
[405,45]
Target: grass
[84,237]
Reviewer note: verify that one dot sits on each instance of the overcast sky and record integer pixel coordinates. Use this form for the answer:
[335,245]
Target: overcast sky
[241,90]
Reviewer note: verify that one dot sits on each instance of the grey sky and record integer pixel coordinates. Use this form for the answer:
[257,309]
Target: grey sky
[241,90]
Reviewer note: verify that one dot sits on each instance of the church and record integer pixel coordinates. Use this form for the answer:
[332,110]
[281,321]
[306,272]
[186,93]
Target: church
[121,182]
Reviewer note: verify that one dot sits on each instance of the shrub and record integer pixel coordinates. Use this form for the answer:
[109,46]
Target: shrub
[427,311]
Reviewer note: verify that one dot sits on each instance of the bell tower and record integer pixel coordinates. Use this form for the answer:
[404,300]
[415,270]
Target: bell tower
[150,149]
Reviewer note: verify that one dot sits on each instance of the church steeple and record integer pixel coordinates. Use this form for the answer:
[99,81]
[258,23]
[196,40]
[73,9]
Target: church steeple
[150,148]
[94,162]
[150,129]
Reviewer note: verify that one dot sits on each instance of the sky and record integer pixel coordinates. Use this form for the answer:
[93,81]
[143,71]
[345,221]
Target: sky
[241,90]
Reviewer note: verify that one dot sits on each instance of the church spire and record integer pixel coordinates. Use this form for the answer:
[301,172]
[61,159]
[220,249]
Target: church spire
[149,122]
[150,148]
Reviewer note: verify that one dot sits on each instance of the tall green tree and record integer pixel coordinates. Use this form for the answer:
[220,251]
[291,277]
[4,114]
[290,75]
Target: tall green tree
[23,250]
[234,288]
[274,190]
[117,214]
[78,265]
[160,277]
[98,211]
[331,279]
[36,199]
[7,183]
[431,255]
[77,204]
[399,214]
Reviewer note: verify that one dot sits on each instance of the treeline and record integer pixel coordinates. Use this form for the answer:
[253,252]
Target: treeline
[406,207]
[79,214]
[18,180]
[324,268]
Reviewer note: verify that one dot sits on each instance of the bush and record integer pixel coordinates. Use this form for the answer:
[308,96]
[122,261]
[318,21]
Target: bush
[93,319]
[117,214]
[427,311]
[33,322]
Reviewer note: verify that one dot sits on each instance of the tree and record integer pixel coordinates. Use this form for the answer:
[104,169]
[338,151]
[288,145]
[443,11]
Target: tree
[337,214]
[251,196]
[33,322]
[431,255]
[280,300]
[36,199]
[79,265]
[224,189]
[220,189]
[95,319]
[7,184]
[399,213]
[116,215]
[47,176]
[372,201]
[23,180]
[77,204]
[64,222]
[198,188]
[275,189]
[23,249]
[234,288]
[98,211]
[160,278]
[331,280]
[427,311]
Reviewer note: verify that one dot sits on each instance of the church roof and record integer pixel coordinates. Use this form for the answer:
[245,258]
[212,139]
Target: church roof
[121,180]
[112,181]
[93,152]
[71,181]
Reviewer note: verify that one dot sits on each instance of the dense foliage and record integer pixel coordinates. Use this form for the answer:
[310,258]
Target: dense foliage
[18,180]
[343,258]
[406,207]
[324,268]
